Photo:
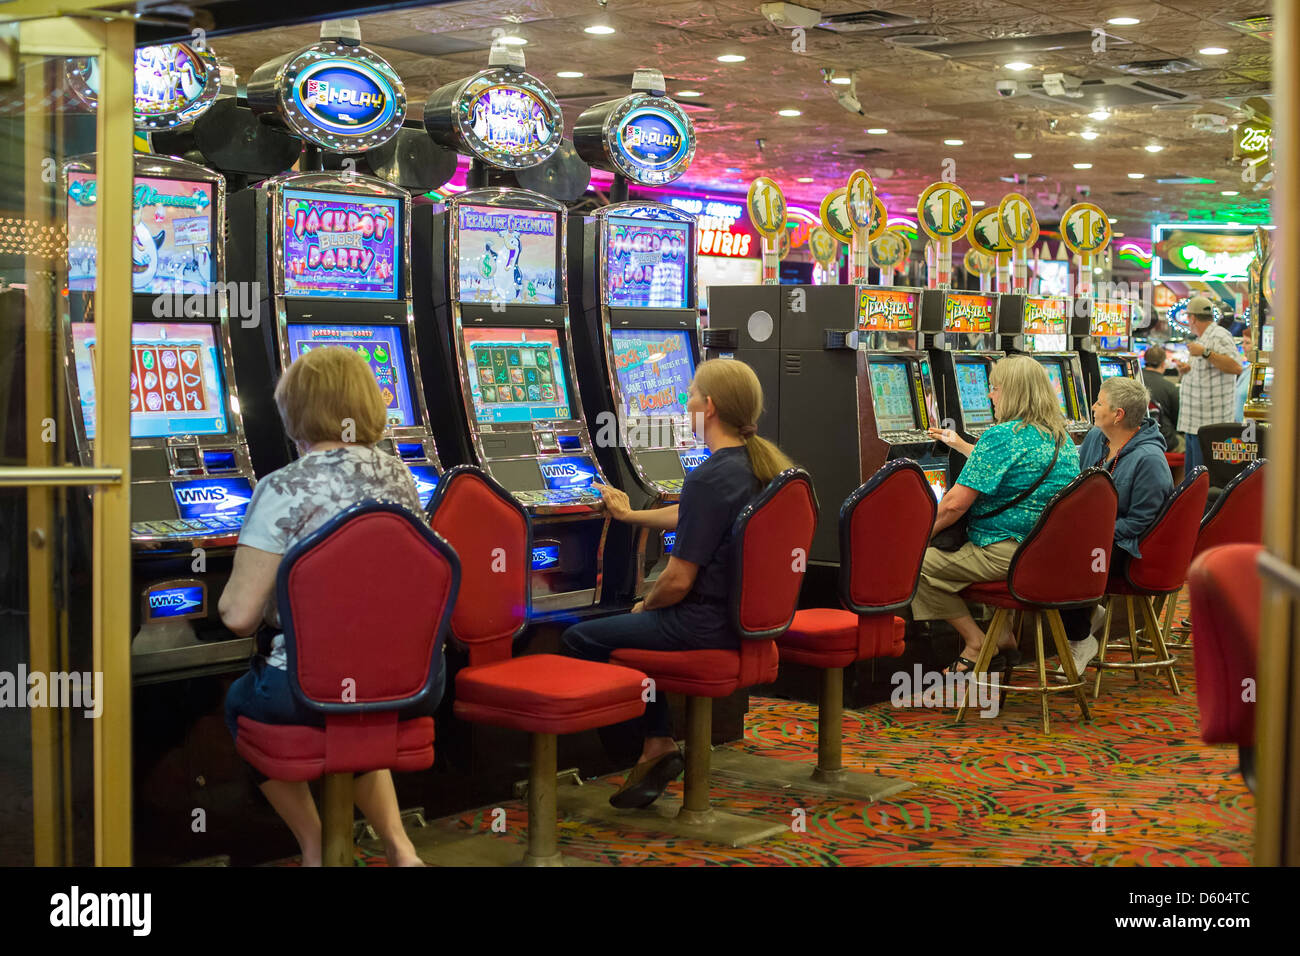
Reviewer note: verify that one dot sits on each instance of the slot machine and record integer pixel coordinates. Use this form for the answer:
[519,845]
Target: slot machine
[636,323]
[191,473]
[330,255]
[961,333]
[1263,282]
[1107,350]
[1039,326]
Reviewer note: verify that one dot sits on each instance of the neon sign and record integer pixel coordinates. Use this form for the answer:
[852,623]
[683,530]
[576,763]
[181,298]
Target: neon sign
[718,232]
[175,83]
[1186,251]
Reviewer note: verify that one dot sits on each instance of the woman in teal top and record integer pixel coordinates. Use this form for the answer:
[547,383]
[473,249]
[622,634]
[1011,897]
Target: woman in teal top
[1028,443]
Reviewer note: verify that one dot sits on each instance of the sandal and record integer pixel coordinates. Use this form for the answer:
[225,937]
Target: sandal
[953,668]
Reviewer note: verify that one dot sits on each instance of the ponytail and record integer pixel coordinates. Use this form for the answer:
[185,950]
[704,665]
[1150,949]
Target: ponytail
[738,397]
[765,458]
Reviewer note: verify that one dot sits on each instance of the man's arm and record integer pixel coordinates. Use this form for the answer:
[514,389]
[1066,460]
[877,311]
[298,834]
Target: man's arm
[1226,362]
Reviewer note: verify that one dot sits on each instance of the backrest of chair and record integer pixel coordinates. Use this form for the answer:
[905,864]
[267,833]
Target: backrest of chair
[365,602]
[1168,544]
[1237,516]
[1224,435]
[884,531]
[1223,585]
[493,536]
[1063,561]
[771,538]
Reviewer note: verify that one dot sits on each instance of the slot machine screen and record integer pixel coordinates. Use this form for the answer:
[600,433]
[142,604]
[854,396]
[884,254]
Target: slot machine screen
[516,375]
[1057,378]
[654,370]
[171,235]
[891,393]
[339,246]
[973,392]
[383,347]
[647,264]
[176,379]
[507,255]
[938,481]
[1177,352]
[1267,388]
[1112,370]
[1053,277]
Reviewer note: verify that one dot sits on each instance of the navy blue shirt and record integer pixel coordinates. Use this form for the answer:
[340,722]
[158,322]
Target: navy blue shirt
[713,496]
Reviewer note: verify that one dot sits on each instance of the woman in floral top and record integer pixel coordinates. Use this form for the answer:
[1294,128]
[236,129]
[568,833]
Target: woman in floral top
[332,410]
[1028,442]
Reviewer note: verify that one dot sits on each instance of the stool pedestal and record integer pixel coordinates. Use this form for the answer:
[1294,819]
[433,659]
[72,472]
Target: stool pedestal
[1161,659]
[336,819]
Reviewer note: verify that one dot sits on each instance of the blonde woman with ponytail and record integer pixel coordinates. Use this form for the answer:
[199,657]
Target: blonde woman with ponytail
[686,608]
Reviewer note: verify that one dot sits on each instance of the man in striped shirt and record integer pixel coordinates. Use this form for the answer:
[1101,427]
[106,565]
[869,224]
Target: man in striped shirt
[1207,392]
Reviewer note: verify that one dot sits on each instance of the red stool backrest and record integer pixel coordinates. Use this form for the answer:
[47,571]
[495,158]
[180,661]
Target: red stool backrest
[884,531]
[492,535]
[364,603]
[1237,516]
[1224,588]
[771,538]
[1064,559]
[1168,544]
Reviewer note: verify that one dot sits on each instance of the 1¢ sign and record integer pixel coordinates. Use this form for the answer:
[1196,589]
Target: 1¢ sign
[1085,230]
[766,205]
[944,211]
[1016,215]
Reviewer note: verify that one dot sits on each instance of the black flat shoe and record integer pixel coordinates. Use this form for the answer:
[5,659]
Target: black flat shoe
[648,781]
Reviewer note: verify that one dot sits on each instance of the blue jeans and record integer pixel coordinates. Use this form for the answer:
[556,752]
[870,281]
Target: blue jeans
[597,640]
[1192,453]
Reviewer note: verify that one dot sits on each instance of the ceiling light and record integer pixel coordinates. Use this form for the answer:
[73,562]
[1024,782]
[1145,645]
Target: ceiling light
[804,179]
[1023,155]
[1228,192]
[1153,147]
[1212,51]
[599,29]
[512,41]
[569,75]
[1137,175]
[954,142]
[841,80]
[1112,221]
[689,93]
[1099,115]
[789,112]
[1083,165]
[1019,67]
[731,58]
[977,202]
[1089,134]
[1123,21]
[877,131]
[911,209]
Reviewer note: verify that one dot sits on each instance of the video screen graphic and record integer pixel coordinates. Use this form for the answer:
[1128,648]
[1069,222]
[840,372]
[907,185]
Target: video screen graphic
[340,247]
[568,473]
[507,255]
[171,235]
[176,382]
[891,393]
[1112,370]
[647,264]
[1057,378]
[937,478]
[426,482]
[226,498]
[968,313]
[654,370]
[1053,277]
[381,346]
[693,459]
[973,392]
[516,375]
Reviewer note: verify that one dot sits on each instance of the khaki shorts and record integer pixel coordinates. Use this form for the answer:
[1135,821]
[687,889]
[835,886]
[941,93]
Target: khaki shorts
[944,573]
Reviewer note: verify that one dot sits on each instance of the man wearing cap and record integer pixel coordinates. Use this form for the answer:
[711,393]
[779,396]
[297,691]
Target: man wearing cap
[1209,378]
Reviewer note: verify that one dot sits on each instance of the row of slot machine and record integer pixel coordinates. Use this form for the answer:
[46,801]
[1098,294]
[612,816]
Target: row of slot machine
[496,329]
[855,375]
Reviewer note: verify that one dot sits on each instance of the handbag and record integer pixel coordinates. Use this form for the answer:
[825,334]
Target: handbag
[955,535]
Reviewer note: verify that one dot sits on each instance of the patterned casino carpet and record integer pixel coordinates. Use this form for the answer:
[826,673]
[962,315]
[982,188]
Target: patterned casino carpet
[1137,787]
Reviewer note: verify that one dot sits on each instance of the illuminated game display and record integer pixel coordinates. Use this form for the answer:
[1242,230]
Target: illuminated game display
[516,375]
[891,392]
[171,235]
[937,478]
[1046,323]
[507,255]
[648,264]
[382,348]
[176,383]
[1111,370]
[1053,277]
[973,392]
[882,310]
[968,313]
[654,370]
[1053,370]
[338,246]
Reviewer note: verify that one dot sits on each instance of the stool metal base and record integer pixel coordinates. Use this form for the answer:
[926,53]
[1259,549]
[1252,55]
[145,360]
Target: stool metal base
[795,775]
[1162,660]
[440,848]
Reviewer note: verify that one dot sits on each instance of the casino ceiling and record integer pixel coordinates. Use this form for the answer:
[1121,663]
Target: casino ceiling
[925,73]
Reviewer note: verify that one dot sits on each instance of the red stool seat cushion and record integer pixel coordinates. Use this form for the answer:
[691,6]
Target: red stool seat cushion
[716,673]
[993,593]
[1117,584]
[366,742]
[1175,458]
[548,694]
[828,637]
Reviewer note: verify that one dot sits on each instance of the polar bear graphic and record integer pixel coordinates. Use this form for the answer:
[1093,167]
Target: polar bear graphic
[502,261]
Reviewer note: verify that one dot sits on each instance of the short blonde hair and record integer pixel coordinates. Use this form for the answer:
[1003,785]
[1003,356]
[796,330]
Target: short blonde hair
[326,388]
[1027,395]
[1131,396]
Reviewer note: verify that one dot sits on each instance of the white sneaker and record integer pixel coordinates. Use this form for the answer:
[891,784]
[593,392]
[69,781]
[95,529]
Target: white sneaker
[1083,652]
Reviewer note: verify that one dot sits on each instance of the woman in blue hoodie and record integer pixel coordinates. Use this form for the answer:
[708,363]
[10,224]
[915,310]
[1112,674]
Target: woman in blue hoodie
[1129,445]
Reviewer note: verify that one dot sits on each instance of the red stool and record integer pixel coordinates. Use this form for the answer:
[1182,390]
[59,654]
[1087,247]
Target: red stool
[1236,517]
[325,588]
[541,694]
[1176,461]
[771,539]
[1166,552]
[1224,587]
[896,506]
[1056,566]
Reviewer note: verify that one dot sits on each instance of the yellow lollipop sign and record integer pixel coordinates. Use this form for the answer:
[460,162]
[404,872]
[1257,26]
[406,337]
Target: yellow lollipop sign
[825,247]
[943,211]
[860,194]
[1020,228]
[1085,229]
[835,215]
[766,204]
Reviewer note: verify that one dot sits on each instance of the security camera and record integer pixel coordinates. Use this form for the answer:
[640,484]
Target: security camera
[1007,88]
[791,15]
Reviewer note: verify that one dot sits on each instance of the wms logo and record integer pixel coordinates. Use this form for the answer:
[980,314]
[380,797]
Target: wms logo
[565,470]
